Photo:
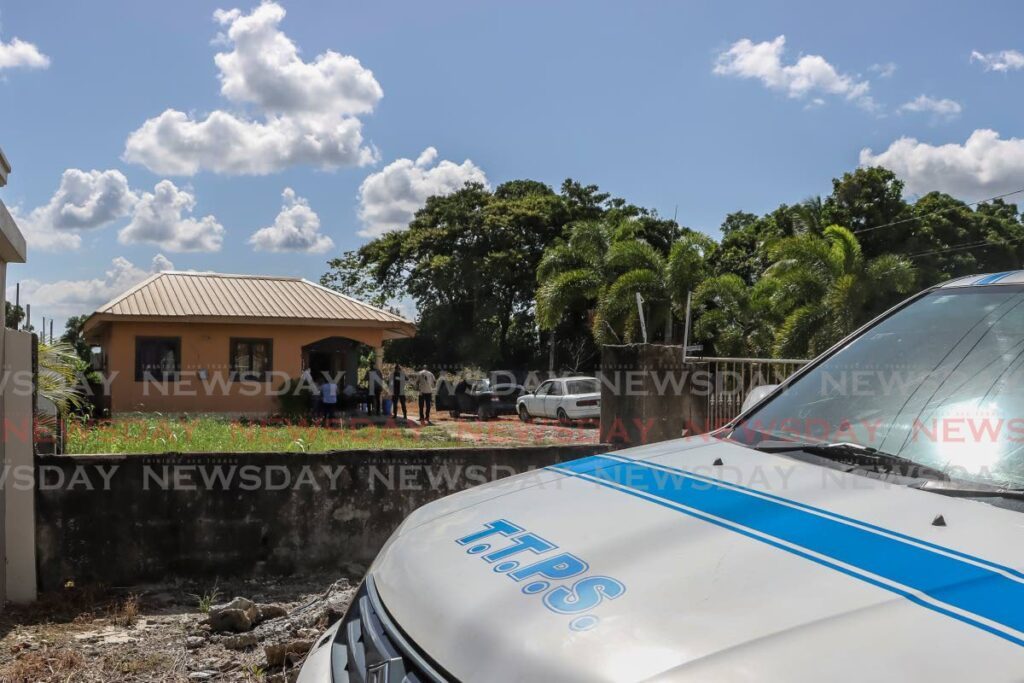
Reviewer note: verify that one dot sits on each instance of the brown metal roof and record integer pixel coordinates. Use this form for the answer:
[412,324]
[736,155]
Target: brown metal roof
[196,296]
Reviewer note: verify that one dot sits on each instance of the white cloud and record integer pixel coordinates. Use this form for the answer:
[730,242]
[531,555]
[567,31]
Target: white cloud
[264,69]
[307,110]
[809,75]
[296,228]
[19,53]
[159,218]
[985,165]
[1004,60]
[389,198]
[944,108]
[83,200]
[884,70]
[75,297]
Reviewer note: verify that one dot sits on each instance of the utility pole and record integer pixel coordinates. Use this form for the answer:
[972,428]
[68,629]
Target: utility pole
[686,326]
[640,310]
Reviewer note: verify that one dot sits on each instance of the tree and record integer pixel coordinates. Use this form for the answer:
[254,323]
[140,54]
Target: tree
[60,370]
[14,315]
[735,318]
[75,339]
[468,262]
[822,288]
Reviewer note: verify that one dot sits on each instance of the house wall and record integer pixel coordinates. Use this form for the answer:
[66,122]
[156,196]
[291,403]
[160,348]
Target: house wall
[206,347]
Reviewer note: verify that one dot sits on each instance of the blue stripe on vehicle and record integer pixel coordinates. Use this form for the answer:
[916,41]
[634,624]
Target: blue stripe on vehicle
[994,277]
[874,558]
[827,513]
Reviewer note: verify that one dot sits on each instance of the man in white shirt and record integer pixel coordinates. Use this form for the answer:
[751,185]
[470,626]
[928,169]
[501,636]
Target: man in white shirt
[328,398]
[425,384]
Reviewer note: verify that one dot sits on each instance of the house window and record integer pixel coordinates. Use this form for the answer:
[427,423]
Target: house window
[251,358]
[157,358]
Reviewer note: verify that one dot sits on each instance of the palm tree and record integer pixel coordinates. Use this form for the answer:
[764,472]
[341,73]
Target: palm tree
[735,318]
[822,288]
[571,274]
[60,369]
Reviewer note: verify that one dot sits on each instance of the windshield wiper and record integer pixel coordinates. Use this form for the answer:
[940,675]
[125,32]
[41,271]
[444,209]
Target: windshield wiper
[971,491]
[863,457]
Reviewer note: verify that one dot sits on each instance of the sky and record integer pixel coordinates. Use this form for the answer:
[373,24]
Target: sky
[267,138]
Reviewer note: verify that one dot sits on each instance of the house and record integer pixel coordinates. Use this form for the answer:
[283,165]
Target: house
[210,342]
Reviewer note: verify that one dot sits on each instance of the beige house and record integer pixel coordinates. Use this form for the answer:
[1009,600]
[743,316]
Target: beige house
[210,342]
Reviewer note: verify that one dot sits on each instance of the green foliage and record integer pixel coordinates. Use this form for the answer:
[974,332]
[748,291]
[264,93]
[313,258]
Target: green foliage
[60,369]
[14,315]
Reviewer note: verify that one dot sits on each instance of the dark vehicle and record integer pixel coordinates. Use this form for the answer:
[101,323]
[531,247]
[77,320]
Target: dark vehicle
[478,397]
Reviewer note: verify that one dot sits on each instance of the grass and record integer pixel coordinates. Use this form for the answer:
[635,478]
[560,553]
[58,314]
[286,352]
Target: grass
[160,434]
[208,599]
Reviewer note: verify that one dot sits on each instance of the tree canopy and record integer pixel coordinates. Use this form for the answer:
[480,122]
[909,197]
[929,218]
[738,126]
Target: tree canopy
[504,278]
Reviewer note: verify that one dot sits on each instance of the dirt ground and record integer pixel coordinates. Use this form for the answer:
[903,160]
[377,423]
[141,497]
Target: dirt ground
[156,633]
[509,430]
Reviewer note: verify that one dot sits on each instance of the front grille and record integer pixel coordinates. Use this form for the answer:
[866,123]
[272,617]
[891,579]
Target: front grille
[369,648]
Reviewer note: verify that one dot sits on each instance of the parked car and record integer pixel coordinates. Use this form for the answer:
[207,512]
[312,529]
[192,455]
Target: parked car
[479,397]
[862,522]
[566,398]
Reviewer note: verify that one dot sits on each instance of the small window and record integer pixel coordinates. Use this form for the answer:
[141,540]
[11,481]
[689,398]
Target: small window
[544,388]
[251,358]
[556,389]
[157,358]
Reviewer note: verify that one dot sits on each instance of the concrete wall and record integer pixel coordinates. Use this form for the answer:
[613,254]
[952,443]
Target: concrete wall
[206,347]
[18,502]
[649,394]
[122,520]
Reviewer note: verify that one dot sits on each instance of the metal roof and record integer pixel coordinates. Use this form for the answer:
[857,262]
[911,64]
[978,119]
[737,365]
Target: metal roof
[209,297]
[1009,277]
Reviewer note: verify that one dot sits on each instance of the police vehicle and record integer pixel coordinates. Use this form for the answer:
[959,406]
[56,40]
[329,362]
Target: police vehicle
[862,522]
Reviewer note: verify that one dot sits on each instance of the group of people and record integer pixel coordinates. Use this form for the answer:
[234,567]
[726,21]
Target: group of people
[423,382]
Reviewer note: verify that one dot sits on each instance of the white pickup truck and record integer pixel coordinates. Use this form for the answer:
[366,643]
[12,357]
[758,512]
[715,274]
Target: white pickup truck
[863,522]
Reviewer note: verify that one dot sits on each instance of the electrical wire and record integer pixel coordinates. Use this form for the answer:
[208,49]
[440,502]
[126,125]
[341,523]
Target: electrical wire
[937,212]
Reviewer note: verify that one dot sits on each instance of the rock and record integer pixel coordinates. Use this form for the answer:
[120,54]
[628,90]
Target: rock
[230,620]
[194,642]
[240,642]
[201,675]
[239,616]
[288,652]
[268,612]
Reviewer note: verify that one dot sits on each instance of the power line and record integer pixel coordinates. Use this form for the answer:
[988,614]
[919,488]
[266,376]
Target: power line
[935,213]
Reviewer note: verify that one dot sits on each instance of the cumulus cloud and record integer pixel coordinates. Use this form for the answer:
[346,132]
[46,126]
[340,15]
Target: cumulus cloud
[810,75]
[985,165]
[83,200]
[64,298]
[307,110]
[160,218]
[20,53]
[943,108]
[389,198]
[1004,60]
[296,228]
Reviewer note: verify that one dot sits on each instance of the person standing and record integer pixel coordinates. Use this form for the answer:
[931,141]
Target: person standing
[425,383]
[328,399]
[398,382]
[376,382]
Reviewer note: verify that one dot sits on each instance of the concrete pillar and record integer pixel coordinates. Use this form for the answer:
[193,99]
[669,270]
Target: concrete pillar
[19,501]
[649,394]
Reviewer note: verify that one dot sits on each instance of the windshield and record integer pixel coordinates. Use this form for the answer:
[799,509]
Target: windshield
[940,382]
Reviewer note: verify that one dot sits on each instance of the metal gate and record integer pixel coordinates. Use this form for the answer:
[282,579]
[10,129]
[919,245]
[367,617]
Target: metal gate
[731,379]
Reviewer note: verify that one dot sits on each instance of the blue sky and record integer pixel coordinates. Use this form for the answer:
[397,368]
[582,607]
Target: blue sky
[691,107]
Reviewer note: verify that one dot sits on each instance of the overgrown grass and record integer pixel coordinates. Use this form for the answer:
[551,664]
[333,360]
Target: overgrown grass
[160,434]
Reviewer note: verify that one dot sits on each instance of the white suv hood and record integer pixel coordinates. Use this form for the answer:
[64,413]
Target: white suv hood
[758,569]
